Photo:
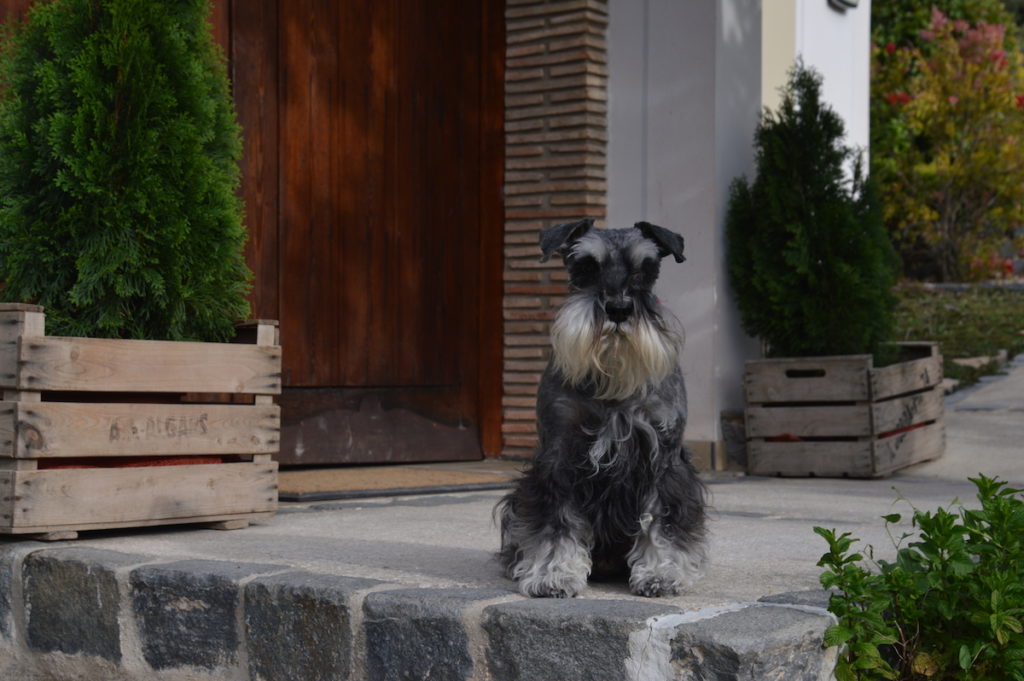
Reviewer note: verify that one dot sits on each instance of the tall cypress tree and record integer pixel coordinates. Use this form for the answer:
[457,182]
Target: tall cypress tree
[809,259]
[119,172]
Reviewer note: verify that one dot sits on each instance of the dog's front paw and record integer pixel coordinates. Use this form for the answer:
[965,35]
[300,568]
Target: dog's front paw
[553,585]
[545,591]
[556,569]
[654,587]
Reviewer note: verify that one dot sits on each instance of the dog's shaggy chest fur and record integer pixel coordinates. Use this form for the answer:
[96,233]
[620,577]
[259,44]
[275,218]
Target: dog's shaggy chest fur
[611,489]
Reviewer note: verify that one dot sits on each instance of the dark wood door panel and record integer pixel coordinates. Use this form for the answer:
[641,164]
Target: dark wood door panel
[370,177]
[252,47]
[374,425]
[309,228]
[379,203]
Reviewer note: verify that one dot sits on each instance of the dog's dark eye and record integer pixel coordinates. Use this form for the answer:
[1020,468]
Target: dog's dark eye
[584,271]
[644,277]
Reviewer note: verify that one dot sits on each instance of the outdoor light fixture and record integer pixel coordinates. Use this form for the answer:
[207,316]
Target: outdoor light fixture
[843,5]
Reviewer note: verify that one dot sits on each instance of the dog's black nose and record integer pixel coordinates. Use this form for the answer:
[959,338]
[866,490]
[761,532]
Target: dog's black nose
[618,311]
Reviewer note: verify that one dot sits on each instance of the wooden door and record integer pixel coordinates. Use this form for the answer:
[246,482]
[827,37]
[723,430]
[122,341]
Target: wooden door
[372,179]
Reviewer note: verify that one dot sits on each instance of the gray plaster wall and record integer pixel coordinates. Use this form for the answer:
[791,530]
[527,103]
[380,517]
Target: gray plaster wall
[684,99]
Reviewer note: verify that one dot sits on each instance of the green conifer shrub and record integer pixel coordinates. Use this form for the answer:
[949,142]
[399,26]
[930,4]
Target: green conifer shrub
[119,153]
[809,260]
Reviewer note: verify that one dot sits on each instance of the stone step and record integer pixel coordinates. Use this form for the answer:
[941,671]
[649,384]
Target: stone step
[84,613]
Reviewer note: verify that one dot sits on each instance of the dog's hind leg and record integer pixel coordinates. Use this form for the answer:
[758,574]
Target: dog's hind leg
[551,561]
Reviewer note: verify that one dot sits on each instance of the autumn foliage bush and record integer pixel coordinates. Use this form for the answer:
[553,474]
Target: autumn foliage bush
[948,149]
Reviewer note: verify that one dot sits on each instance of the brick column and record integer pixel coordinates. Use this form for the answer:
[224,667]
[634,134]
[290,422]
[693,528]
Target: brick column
[555,149]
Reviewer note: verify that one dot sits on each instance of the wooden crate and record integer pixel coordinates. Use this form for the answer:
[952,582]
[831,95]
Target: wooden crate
[840,416]
[106,433]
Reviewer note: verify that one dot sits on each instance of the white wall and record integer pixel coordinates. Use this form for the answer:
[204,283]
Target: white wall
[836,43]
[684,96]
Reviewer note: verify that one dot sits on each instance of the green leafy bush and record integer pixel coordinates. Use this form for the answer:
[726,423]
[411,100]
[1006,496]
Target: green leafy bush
[809,260]
[119,155]
[951,607]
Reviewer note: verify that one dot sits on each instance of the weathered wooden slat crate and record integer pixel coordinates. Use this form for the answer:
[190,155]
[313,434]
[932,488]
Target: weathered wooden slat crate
[841,416]
[107,433]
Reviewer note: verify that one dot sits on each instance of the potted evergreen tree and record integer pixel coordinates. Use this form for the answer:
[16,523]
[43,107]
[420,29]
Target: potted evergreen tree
[119,158]
[119,216]
[812,270]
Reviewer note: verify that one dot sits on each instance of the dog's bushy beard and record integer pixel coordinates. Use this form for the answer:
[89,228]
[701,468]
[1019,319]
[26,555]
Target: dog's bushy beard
[615,360]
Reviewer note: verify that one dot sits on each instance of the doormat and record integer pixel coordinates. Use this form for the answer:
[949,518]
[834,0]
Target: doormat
[324,484]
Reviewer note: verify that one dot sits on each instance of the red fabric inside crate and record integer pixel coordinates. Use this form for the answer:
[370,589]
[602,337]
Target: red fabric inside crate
[129,461]
[904,430]
[785,437]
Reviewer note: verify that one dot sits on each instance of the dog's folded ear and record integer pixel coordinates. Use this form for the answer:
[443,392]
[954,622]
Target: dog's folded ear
[560,236]
[668,241]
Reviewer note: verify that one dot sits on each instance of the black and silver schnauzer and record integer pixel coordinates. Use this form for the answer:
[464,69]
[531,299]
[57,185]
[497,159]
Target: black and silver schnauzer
[611,488]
